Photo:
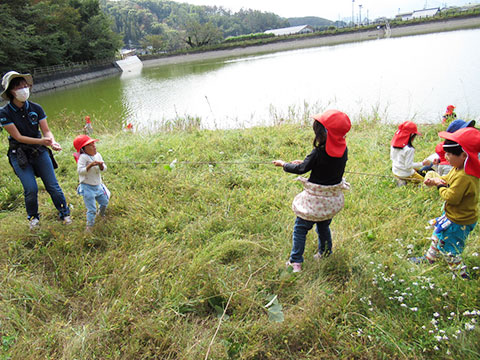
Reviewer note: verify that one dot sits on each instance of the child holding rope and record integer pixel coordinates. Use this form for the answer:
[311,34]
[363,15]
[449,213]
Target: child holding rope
[322,197]
[460,189]
[402,153]
[89,167]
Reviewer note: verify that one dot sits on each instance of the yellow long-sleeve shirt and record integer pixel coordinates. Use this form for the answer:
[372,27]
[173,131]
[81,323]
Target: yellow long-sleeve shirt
[461,196]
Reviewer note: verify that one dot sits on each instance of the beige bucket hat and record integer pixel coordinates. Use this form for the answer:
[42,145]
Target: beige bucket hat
[9,76]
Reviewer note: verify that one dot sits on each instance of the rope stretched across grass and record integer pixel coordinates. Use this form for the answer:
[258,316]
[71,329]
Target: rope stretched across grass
[169,164]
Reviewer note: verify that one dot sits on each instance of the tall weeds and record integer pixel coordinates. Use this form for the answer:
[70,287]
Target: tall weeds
[181,242]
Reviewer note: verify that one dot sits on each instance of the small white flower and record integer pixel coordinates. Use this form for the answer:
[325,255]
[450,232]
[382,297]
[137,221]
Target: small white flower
[441,331]
[424,327]
[414,309]
[475,254]
[469,327]
[466,313]
[436,315]
[438,338]
[475,268]
[436,348]
[452,314]
[434,322]
[403,305]
[445,337]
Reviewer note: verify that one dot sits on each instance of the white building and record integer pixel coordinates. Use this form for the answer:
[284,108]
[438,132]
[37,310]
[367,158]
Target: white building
[302,29]
[418,14]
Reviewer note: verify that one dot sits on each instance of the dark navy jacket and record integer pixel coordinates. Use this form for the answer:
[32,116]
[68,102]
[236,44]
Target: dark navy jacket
[325,169]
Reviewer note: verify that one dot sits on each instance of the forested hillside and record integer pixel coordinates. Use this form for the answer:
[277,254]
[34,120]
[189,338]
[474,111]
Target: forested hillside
[314,21]
[170,25]
[50,32]
[38,33]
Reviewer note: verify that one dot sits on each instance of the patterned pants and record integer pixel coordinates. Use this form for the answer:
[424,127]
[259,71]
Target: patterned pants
[455,262]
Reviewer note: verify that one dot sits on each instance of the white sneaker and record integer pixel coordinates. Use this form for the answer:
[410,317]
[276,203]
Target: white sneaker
[34,223]
[67,220]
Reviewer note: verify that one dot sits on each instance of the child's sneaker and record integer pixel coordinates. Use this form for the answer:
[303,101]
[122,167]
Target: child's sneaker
[102,211]
[34,223]
[297,267]
[67,220]
[420,260]
[319,256]
[465,276]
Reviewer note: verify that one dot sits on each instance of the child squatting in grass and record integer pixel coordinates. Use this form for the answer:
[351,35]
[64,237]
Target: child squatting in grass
[460,189]
[402,153]
[322,196]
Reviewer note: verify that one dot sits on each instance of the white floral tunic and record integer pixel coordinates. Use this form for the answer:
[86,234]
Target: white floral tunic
[319,202]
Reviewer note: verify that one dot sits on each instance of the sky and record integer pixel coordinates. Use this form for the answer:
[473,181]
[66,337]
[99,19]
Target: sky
[331,9]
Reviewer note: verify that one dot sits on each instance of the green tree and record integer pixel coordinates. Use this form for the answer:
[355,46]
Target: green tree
[202,34]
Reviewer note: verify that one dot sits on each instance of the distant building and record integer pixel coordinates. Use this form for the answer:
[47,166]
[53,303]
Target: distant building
[302,29]
[404,16]
[418,14]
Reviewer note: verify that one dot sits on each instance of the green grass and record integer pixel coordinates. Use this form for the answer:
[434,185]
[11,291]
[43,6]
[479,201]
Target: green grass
[188,258]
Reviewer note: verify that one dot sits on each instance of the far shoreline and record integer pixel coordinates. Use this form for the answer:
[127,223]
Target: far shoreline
[327,40]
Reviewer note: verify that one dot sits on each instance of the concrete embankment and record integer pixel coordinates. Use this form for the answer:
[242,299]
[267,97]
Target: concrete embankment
[423,28]
[71,79]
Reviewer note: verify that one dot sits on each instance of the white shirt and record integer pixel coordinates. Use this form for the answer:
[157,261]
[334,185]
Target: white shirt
[93,175]
[402,161]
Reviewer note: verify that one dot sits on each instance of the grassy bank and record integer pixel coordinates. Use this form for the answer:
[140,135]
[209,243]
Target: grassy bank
[189,257]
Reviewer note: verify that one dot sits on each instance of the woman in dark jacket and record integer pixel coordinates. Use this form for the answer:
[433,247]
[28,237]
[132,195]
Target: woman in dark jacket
[29,142]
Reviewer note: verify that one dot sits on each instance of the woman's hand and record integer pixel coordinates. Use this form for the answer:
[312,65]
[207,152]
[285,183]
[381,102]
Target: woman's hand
[278,162]
[46,141]
[56,146]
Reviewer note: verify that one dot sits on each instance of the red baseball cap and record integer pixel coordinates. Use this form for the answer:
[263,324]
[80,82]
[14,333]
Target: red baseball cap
[338,125]
[402,135]
[82,140]
[469,139]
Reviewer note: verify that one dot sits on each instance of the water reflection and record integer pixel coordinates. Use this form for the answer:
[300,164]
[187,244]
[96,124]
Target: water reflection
[403,78]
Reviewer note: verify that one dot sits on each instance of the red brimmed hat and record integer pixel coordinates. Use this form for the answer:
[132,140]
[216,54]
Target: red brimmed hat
[338,125]
[469,139]
[450,109]
[82,140]
[402,135]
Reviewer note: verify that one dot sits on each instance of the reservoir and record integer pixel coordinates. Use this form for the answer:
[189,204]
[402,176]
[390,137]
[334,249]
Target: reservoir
[395,79]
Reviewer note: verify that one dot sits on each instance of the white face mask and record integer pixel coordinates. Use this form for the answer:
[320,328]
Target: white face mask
[22,95]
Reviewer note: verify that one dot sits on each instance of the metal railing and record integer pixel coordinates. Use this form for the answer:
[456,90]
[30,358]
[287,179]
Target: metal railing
[70,67]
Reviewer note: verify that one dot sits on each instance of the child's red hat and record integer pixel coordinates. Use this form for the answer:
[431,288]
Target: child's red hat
[338,125]
[402,135]
[469,139]
[450,109]
[82,140]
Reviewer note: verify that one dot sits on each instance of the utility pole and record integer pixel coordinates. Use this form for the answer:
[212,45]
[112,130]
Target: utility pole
[360,15]
[353,18]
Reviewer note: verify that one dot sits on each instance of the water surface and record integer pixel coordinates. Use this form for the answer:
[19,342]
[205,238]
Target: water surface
[408,78]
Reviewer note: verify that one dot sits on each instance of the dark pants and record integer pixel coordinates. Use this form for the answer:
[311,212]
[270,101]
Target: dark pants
[43,166]
[300,231]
